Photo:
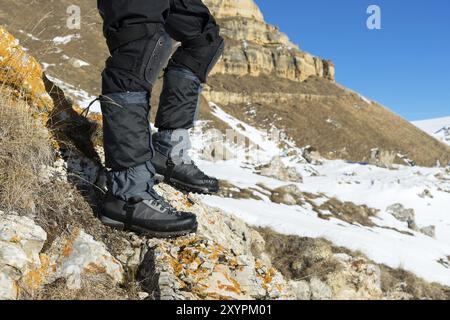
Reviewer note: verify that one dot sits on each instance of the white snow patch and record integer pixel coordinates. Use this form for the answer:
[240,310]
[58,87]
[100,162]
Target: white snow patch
[65,40]
[438,128]
[82,97]
[78,63]
[387,243]
[29,35]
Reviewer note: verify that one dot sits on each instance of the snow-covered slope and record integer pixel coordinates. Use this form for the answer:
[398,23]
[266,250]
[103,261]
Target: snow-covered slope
[439,128]
[387,241]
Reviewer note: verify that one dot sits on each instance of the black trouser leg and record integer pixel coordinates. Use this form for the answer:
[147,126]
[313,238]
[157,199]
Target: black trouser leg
[137,33]
[139,48]
[191,23]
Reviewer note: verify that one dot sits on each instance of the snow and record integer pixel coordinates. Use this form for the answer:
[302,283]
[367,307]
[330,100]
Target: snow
[389,242]
[438,128]
[78,63]
[65,40]
[29,35]
[432,125]
[83,98]
[366,100]
[417,253]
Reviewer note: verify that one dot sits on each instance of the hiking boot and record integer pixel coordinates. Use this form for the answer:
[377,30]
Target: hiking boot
[184,176]
[154,217]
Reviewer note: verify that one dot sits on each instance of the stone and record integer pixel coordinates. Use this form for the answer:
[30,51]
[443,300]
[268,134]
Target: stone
[232,8]
[217,151]
[355,279]
[302,290]
[266,260]
[25,234]
[320,290]
[245,275]
[218,262]
[429,231]
[401,213]
[21,241]
[426,194]
[79,256]
[222,286]
[8,285]
[276,169]
[143,295]
[277,287]
[258,244]
[289,195]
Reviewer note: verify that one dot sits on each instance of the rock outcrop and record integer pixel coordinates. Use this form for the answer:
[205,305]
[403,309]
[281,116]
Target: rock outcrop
[217,263]
[20,70]
[21,242]
[255,47]
[25,267]
[277,169]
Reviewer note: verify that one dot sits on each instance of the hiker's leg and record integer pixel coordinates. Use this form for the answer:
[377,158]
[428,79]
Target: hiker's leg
[191,23]
[139,48]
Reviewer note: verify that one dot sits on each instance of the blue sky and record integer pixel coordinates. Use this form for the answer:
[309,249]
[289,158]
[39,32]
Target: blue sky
[405,65]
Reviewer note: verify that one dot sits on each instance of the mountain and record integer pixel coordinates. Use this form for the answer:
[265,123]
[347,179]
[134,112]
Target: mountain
[340,199]
[262,74]
[438,128]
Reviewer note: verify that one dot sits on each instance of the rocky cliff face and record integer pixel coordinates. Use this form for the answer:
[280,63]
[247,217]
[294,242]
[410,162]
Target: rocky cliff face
[256,48]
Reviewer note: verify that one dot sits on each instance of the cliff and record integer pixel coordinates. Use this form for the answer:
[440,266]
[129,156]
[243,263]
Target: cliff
[256,48]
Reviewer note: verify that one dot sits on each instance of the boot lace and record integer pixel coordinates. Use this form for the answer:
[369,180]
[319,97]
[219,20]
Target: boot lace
[160,203]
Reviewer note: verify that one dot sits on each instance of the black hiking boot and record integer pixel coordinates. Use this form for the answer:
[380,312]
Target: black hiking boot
[154,218]
[186,177]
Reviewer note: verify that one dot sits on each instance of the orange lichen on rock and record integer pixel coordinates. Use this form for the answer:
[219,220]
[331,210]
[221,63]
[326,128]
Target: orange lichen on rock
[22,72]
[15,239]
[68,246]
[94,269]
[34,279]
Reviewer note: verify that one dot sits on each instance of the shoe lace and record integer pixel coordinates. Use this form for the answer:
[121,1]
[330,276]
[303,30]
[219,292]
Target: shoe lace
[160,203]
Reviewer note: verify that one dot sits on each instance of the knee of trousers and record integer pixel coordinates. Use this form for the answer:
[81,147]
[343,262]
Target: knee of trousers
[126,129]
[200,55]
[137,63]
[179,100]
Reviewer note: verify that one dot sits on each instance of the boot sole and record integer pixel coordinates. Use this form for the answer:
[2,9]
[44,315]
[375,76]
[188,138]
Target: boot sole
[117,225]
[186,186]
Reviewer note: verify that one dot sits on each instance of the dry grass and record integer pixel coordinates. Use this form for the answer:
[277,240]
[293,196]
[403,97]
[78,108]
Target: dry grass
[413,285]
[361,128]
[303,258]
[299,258]
[387,159]
[57,206]
[24,149]
[100,289]
[347,211]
